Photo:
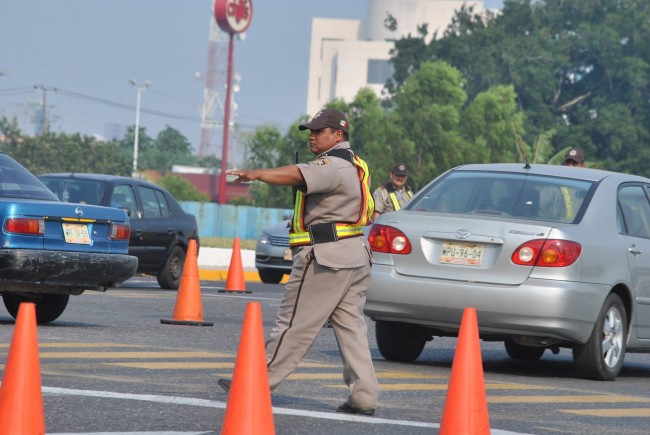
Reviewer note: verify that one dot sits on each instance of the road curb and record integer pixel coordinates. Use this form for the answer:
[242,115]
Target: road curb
[222,275]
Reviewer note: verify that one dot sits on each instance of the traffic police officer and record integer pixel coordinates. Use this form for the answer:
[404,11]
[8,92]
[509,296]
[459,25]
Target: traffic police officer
[394,194]
[331,260]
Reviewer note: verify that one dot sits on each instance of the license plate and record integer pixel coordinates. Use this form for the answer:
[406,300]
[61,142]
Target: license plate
[461,253]
[287,255]
[76,233]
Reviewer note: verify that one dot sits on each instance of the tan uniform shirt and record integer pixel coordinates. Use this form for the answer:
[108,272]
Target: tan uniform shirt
[333,193]
[383,204]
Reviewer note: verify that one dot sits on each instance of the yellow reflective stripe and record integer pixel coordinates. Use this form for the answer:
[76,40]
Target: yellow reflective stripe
[394,200]
[342,231]
[299,239]
[368,199]
[568,202]
[297,212]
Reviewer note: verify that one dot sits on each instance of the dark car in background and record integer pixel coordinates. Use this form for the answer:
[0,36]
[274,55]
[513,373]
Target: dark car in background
[550,256]
[272,253]
[50,250]
[160,228]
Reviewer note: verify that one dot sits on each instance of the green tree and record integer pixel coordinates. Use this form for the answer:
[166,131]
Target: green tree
[491,122]
[579,68]
[376,136]
[182,189]
[268,149]
[169,148]
[428,110]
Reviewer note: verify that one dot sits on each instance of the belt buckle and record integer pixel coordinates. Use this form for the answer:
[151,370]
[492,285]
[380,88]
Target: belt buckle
[323,233]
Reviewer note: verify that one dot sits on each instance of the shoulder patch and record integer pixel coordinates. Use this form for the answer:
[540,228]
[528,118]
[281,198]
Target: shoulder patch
[322,161]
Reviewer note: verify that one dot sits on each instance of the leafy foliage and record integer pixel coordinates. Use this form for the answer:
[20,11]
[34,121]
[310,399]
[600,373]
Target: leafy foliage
[182,189]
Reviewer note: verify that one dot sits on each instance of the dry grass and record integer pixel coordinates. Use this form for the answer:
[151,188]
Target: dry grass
[225,242]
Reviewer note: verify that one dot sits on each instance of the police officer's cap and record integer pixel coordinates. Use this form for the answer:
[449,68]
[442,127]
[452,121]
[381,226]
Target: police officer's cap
[327,118]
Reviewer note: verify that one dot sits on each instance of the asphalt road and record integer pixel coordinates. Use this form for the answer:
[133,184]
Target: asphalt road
[108,365]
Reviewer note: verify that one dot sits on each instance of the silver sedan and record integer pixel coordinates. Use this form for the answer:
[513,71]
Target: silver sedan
[551,257]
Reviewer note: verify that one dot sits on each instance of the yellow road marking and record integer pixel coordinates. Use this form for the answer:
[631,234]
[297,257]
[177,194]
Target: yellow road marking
[616,412]
[77,345]
[407,375]
[174,365]
[192,365]
[438,387]
[598,398]
[132,355]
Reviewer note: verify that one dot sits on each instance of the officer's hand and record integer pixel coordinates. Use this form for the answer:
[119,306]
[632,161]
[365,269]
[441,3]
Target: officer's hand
[242,175]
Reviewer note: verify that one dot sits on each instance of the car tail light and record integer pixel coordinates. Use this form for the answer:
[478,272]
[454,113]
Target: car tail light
[120,232]
[32,226]
[383,238]
[547,253]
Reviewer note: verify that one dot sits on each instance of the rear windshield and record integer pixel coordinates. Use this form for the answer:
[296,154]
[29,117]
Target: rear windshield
[18,182]
[533,197]
[76,190]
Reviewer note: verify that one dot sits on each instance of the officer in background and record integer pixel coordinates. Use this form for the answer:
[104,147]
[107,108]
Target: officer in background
[331,260]
[574,157]
[394,194]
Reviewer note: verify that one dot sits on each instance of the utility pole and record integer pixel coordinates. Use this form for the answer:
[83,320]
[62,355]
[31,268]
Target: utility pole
[44,121]
[138,89]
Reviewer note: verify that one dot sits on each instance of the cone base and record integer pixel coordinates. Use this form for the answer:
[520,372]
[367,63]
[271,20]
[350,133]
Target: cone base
[186,322]
[234,291]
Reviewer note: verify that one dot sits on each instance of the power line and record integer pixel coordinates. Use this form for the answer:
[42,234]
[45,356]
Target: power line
[102,101]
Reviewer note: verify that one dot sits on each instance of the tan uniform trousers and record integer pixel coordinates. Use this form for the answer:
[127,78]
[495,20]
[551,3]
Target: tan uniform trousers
[313,295]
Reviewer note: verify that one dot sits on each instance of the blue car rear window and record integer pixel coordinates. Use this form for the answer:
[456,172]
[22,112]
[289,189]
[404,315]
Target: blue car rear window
[18,182]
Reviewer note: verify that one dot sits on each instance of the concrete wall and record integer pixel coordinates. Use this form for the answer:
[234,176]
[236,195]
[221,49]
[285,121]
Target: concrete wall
[240,221]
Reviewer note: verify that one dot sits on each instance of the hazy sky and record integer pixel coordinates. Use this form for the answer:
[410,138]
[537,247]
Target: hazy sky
[84,52]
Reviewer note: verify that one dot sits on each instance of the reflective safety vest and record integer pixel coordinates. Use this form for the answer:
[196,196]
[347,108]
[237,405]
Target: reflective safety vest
[299,235]
[393,196]
[568,202]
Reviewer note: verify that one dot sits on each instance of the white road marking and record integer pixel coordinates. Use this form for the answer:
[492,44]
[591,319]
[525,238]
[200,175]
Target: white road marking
[222,405]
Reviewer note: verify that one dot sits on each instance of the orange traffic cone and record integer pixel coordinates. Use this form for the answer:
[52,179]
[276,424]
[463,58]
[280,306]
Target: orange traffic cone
[465,410]
[235,281]
[188,309]
[21,400]
[248,410]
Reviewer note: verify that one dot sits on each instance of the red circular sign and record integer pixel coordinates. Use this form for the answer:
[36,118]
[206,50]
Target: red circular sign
[233,16]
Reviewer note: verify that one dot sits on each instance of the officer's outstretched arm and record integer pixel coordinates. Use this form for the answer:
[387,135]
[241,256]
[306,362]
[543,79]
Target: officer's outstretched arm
[282,176]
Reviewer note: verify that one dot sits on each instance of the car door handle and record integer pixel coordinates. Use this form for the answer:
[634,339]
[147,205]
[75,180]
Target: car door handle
[634,250]
[171,231]
[138,233]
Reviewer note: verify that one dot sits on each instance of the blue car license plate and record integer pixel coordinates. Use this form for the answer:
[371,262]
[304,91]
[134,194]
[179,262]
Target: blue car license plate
[76,233]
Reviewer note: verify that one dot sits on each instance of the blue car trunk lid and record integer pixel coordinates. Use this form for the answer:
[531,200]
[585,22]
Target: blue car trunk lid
[71,227]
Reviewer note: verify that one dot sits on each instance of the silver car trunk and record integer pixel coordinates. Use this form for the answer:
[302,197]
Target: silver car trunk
[450,246]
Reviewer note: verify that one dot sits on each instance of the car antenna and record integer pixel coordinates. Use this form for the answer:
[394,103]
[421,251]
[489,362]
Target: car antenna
[527,165]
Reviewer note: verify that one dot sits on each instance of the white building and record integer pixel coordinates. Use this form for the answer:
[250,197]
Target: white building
[346,55]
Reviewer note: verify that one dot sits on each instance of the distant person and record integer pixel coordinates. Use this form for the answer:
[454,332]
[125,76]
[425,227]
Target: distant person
[393,195]
[331,260]
[574,157]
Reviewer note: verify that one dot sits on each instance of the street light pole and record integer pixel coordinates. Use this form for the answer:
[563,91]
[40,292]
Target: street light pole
[139,89]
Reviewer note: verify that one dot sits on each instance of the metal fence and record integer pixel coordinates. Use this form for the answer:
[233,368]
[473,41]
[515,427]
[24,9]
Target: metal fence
[241,221]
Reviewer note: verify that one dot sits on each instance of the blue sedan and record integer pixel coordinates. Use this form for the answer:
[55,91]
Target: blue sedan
[51,250]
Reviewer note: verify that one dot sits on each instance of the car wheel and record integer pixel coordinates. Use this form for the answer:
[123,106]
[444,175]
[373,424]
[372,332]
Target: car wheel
[271,276]
[601,358]
[527,353]
[170,276]
[399,341]
[48,306]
